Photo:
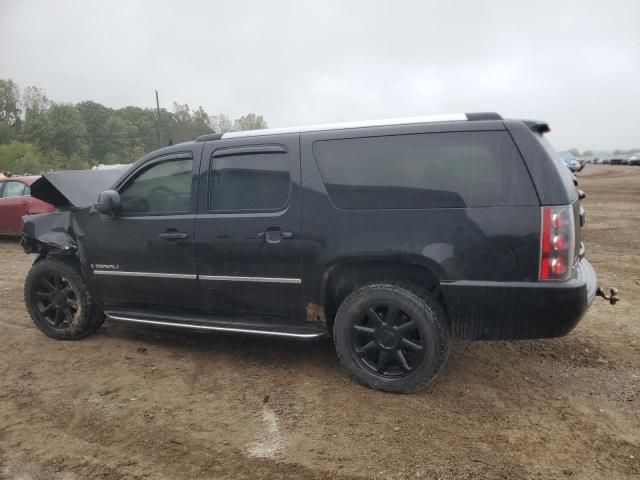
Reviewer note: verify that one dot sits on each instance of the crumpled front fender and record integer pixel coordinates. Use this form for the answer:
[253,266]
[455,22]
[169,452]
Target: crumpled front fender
[48,230]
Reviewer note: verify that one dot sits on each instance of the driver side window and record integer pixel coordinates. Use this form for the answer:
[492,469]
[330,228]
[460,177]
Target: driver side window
[163,188]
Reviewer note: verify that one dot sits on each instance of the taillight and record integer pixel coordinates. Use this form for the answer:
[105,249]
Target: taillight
[556,243]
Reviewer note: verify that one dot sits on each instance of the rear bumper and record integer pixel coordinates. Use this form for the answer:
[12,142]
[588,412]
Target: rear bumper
[519,310]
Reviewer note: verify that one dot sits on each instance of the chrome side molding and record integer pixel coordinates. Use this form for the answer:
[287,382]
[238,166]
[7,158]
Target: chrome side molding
[227,278]
[145,274]
[219,278]
[195,326]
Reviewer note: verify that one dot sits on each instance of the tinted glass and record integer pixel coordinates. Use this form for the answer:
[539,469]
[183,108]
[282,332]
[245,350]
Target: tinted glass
[565,174]
[463,169]
[13,189]
[255,182]
[162,188]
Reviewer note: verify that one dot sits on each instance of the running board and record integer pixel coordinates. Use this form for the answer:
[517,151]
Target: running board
[300,332]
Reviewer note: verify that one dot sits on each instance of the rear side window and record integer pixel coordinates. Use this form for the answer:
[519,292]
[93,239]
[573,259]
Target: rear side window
[13,189]
[433,170]
[565,174]
[249,182]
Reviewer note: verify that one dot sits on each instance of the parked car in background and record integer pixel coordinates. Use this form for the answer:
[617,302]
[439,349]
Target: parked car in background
[571,162]
[16,201]
[634,160]
[604,161]
[617,160]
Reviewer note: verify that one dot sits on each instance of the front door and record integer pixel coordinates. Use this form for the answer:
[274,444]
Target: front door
[143,258]
[248,227]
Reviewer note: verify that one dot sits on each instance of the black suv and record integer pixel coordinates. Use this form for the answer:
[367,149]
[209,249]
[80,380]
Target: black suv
[390,236]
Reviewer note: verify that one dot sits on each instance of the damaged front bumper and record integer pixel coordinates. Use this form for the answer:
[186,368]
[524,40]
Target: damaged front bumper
[48,230]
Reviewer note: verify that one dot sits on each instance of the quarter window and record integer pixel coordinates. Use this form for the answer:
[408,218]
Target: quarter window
[434,170]
[163,188]
[249,182]
[13,189]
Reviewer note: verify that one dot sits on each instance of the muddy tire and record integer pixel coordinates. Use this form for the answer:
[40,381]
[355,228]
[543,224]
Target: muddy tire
[58,301]
[392,337]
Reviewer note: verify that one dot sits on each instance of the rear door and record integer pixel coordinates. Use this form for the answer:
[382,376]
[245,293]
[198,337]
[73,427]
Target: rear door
[248,227]
[143,259]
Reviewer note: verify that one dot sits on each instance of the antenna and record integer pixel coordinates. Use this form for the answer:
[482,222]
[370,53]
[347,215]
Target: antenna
[158,122]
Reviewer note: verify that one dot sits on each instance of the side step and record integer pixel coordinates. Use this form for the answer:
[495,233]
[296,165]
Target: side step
[227,325]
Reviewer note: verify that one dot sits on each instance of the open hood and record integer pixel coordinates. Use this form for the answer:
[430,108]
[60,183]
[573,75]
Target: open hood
[74,188]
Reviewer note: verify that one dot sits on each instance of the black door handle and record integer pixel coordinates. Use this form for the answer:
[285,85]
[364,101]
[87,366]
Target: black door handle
[173,236]
[274,235]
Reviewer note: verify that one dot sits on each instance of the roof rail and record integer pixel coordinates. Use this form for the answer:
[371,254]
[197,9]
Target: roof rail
[455,117]
[209,137]
[483,116]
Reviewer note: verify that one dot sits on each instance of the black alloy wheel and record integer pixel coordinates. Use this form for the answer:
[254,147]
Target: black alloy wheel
[387,341]
[57,302]
[392,337]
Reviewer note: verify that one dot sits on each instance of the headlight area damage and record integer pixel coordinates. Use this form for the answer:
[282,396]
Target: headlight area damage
[68,192]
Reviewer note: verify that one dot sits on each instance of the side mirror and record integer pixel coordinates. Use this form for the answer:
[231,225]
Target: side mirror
[108,202]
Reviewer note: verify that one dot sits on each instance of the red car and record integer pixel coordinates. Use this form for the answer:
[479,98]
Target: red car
[16,201]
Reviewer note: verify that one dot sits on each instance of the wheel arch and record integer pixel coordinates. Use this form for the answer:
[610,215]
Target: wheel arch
[342,278]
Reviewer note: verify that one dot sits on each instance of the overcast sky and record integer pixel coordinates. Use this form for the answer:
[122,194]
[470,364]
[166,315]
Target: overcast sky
[575,64]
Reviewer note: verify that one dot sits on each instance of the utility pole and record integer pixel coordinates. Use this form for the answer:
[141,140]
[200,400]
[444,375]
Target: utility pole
[158,109]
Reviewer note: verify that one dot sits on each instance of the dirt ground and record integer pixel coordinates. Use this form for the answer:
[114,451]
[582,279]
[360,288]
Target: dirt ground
[131,402]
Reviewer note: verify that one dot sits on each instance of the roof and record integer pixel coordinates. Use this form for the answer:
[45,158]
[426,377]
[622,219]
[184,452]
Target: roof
[452,117]
[25,179]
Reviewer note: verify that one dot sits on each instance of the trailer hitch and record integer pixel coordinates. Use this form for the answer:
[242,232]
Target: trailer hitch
[613,295]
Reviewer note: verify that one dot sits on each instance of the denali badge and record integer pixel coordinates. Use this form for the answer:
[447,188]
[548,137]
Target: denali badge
[100,266]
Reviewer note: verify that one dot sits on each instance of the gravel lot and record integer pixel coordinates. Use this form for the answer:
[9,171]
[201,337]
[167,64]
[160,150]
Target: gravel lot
[132,402]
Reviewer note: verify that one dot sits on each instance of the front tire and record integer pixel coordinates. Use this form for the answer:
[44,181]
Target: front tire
[391,337]
[58,301]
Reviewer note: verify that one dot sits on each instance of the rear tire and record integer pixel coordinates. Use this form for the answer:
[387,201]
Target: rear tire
[391,337]
[58,301]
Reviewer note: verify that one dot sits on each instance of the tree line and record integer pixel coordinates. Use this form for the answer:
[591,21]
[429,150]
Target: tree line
[38,134]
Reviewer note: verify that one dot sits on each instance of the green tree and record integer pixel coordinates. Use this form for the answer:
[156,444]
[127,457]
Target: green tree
[36,128]
[57,135]
[121,134]
[9,102]
[146,124]
[34,98]
[68,133]
[185,125]
[221,123]
[201,122]
[95,117]
[587,153]
[180,124]
[9,110]
[20,158]
[250,121]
